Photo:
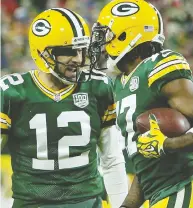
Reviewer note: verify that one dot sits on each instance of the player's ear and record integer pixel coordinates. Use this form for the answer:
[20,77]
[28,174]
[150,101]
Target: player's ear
[153,122]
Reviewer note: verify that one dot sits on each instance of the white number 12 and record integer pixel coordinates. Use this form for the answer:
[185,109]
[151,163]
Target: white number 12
[38,122]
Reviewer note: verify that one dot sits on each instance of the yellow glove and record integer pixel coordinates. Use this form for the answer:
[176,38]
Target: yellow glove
[150,144]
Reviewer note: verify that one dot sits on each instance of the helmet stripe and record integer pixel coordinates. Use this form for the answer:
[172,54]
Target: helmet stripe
[73,20]
[160,21]
[78,19]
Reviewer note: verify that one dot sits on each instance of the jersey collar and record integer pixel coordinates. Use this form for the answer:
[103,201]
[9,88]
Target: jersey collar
[54,95]
[125,78]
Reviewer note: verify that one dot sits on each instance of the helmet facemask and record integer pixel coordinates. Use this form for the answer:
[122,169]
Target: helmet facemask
[101,36]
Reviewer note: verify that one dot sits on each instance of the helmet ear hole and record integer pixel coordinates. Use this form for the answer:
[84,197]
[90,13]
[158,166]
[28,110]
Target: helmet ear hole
[122,37]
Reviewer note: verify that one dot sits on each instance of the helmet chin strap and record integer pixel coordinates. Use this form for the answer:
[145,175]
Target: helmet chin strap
[112,63]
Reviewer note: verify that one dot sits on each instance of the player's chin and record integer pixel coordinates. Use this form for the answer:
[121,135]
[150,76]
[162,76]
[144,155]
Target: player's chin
[70,73]
[72,76]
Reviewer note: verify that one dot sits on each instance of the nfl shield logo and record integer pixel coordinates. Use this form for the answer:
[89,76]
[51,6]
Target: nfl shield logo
[57,97]
[80,99]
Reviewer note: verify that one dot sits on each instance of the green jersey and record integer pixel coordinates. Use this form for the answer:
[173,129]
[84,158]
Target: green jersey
[137,93]
[53,136]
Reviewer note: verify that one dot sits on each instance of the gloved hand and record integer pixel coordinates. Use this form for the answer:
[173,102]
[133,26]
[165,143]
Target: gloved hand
[150,144]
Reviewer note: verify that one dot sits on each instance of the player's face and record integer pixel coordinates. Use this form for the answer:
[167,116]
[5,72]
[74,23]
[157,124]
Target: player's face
[69,65]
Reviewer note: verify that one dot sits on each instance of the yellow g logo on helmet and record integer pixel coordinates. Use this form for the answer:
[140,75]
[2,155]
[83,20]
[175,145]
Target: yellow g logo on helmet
[125,9]
[41,27]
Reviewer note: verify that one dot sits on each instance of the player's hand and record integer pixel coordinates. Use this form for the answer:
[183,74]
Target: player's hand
[150,144]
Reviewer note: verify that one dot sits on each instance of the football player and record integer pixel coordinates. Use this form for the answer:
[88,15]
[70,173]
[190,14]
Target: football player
[56,117]
[151,77]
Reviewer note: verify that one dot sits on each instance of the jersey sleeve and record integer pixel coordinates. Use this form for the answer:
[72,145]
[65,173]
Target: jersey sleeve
[5,119]
[109,107]
[174,66]
[9,94]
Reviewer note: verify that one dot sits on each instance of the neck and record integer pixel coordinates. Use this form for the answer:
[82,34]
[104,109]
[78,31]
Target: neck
[128,68]
[51,81]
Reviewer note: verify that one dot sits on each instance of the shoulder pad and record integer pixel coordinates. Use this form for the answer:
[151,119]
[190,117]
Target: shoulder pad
[11,79]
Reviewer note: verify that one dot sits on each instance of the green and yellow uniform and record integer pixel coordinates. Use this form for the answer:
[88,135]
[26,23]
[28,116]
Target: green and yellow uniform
[137,93]
[53,137]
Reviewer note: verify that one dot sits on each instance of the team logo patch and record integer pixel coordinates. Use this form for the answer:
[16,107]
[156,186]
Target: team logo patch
[80,99]
[41,27]
[125,9]
[134,83]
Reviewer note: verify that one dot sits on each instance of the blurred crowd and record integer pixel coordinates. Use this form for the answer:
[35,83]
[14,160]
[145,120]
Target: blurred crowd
[18,14]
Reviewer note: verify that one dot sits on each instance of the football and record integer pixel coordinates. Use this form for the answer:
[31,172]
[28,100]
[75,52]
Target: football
[171,122]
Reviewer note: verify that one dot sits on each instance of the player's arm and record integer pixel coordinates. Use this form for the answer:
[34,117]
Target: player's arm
[113,166]
[179,94]
[5,120]
[135,197]
[172,78]
[154,143]
[111,157]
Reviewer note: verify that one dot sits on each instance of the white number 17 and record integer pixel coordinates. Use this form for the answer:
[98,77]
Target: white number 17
[130,103]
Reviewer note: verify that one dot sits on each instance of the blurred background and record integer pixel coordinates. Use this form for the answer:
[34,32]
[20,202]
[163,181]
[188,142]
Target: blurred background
[16,16]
